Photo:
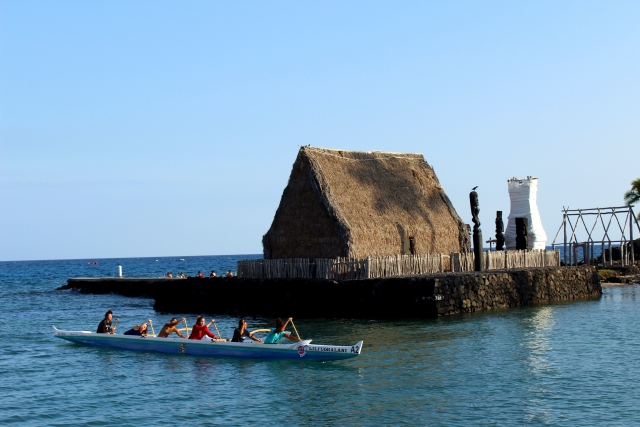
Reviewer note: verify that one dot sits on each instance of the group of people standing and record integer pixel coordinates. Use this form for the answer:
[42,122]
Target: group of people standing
[200,330]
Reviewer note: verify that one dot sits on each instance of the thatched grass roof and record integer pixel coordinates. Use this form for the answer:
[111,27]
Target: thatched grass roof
[362,203]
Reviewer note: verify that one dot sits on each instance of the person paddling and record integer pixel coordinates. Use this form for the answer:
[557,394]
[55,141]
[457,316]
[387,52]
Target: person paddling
[105,325]
[140,330]
[170,328]
[278,332]
[240,333]
[200,330]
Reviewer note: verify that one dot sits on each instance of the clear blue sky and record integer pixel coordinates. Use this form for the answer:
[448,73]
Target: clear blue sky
[169,128]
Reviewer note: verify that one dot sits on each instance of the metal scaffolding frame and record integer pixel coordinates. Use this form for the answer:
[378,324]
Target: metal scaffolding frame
[601,214]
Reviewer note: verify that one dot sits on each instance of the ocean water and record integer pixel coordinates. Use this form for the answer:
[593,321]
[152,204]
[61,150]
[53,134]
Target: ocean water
[563,364]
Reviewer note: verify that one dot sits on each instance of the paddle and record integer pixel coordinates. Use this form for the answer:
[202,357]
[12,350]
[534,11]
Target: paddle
[186,326]
[216,326]
[259,330]
[113,330]
[151,324]
[294,328]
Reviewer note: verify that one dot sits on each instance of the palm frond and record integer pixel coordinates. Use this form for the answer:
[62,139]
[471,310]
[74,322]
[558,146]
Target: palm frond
[633,196]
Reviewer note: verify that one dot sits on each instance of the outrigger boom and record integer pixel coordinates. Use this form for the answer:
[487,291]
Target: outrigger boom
[302,350]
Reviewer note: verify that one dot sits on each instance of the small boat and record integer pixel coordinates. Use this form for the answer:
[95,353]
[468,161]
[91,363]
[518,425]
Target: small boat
[302,350]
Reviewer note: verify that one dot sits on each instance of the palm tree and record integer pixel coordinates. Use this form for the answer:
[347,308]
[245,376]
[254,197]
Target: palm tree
[633,196]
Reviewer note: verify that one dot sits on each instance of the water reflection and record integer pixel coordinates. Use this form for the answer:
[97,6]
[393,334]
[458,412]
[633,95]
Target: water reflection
[537,341]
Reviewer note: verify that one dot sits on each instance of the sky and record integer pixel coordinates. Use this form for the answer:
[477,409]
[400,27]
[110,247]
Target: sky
[166,128]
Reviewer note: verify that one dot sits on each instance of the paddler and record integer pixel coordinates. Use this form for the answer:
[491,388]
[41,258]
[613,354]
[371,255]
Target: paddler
[170,328]
[278,332]
[105,325]
[240,333]
[139,330]
[200,330]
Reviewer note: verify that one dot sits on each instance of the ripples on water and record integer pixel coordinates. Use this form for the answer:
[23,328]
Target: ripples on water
[562,364]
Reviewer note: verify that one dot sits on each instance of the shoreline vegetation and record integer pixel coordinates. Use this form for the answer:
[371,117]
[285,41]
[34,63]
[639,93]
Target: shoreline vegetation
[617,276]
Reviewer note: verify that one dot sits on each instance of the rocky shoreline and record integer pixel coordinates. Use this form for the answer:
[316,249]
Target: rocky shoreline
[512,288]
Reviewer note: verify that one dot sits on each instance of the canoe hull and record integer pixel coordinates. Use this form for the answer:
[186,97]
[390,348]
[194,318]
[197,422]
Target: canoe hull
[207,348]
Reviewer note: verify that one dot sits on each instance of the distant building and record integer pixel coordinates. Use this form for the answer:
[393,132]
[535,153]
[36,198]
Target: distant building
[523,193]
[363,203]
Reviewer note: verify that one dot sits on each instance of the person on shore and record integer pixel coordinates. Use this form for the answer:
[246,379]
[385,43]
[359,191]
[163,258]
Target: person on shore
[105,325]
[169,275]
[200,275]
[200,330]
[139,330]
[278,332]
[170,328]
[213,274]
[240,333]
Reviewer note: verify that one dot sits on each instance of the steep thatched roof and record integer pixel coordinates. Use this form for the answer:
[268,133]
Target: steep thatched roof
[362,203]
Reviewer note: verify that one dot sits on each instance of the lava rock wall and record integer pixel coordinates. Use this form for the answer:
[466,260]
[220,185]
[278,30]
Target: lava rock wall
[466,293]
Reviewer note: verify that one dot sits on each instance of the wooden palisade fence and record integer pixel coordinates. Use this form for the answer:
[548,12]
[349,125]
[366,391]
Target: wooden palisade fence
[391,266]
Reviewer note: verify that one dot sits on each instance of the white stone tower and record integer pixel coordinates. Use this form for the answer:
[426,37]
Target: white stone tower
[524,203]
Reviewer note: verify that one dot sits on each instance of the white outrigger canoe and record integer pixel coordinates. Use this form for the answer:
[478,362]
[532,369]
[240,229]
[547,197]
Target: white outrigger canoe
[302,350]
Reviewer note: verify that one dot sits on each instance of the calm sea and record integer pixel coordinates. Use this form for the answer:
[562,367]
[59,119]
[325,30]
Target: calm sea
[564,364]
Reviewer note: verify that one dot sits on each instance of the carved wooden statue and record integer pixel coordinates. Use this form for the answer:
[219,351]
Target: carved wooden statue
[522,241]
[499,232]
[477,232]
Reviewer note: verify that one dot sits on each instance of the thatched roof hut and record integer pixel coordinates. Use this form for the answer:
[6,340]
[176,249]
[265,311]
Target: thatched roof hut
[363,203]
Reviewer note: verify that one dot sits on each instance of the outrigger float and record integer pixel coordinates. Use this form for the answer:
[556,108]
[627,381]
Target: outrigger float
[302,350]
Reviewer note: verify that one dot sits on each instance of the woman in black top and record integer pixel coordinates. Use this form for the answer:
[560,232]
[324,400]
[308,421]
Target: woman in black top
[241,332]
[105,325]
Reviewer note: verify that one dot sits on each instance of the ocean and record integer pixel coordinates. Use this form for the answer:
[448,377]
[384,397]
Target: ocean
[572,363]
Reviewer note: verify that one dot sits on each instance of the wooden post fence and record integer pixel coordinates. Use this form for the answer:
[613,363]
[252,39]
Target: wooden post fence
[392,265]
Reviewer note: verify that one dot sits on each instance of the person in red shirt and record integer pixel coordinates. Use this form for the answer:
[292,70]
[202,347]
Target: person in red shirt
[200,330]
[200,275]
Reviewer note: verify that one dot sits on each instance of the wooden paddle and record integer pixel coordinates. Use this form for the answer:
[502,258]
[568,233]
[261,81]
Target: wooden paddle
[186,327]
[113,329]
[294,328]
[216,326]
[151,324]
